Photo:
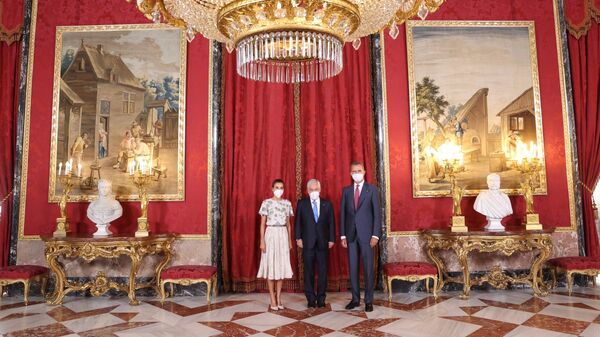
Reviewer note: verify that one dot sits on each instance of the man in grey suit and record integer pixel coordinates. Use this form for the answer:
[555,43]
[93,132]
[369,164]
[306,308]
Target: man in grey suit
[360,229]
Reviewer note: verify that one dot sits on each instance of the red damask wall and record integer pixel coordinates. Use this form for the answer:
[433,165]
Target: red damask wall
[408,213]
[185,217]
[190,216]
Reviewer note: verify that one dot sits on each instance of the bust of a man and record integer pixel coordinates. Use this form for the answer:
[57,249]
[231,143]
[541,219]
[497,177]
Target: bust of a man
[493,203]
[104,209]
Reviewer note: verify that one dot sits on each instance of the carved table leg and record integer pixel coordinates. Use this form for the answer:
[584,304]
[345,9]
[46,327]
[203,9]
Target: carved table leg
[537,282]
[159,267]
[26,285]
[135,266]
[215,291]
[60,278]
[462,255]
[161,291]
[431,252]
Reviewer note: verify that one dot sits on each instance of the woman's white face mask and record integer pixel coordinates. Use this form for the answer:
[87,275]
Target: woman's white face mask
[278,193]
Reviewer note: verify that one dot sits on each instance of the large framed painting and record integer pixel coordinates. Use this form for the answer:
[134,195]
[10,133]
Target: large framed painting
[475,85]
[119,99]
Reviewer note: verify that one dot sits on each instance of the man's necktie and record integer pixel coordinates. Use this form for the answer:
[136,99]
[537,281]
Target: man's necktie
[315,211]
[356,196]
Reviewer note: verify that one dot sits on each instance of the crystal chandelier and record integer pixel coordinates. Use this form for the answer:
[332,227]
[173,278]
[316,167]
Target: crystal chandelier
[286,41]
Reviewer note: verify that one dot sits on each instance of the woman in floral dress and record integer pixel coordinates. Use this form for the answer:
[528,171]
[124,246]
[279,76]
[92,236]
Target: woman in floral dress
[275,242]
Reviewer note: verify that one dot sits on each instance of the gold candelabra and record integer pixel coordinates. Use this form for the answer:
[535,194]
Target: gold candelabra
[450,158]
[529,164]
[141,176]
[67,180]
[529,169]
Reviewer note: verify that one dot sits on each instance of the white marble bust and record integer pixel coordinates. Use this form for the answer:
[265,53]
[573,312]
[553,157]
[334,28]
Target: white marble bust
[104,209]
[493,203]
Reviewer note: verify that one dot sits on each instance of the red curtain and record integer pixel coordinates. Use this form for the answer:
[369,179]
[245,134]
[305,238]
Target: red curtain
[11,16]
[584,53]
[337,128]
[261,139]
[258,147]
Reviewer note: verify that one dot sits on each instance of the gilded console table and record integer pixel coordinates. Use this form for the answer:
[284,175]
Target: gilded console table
[506,243]
[89,248]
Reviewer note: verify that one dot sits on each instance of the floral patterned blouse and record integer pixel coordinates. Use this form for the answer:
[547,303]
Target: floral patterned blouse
[276,211]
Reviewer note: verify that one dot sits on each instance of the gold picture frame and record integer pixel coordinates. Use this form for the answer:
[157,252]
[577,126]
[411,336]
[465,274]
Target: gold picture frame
[118,99]
[478,71]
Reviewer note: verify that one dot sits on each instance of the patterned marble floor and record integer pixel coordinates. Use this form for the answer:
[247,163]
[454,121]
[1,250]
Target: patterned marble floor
[490,313]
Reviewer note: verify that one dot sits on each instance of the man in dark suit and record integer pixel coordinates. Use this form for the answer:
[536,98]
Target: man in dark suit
[360,228]
[315,234]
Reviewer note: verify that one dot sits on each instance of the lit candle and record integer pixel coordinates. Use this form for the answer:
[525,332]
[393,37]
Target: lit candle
[150,166]
[59,168]
[131,167]
[79,170]
[533,148]
[143,166]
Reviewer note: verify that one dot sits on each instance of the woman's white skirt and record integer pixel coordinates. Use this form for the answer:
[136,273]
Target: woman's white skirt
[275,262]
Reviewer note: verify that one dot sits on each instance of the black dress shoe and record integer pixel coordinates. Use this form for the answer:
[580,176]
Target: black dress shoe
[352,305]
[368,307]
[321,304]
[311,305]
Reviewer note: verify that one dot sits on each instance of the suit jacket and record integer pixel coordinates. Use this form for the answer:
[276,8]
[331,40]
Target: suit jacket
[313,233]
[365,221]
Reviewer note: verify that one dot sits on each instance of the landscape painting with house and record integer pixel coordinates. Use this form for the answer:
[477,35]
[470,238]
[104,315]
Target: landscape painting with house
[474,85]
[119,100]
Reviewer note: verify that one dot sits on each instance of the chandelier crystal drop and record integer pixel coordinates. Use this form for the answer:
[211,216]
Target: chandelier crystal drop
[289,57]
[286,41]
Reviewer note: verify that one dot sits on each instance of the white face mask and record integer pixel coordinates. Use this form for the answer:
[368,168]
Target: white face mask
[314,195]
[278,193]
[358,177]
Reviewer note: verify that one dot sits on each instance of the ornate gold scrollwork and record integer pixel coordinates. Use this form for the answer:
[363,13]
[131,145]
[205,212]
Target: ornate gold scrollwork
[506,243]
[90,249]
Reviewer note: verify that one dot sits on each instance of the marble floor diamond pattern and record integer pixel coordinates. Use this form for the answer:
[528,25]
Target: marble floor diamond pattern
[485,314]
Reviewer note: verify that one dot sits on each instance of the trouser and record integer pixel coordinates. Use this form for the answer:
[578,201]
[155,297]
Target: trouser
[364,250]
[310,257]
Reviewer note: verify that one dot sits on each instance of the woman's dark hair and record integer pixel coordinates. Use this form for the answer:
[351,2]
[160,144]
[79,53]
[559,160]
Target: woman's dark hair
[278,180]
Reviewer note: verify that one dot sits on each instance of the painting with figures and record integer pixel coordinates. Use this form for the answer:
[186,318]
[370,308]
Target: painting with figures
[118,108]
[473,87]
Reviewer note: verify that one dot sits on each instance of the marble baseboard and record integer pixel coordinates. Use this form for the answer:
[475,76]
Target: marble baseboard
[399,248]
[410,248]
[184,252]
